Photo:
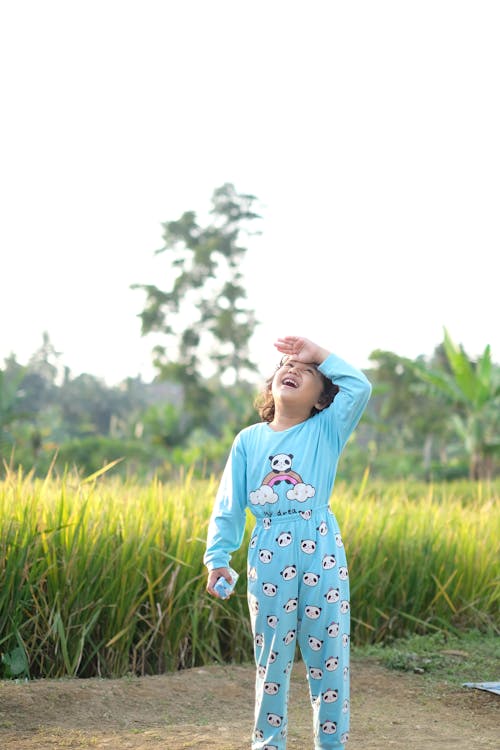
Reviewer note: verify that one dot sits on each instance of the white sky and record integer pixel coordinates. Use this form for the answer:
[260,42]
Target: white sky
[367,130]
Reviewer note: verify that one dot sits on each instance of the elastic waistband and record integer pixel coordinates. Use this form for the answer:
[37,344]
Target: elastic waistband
[292,515]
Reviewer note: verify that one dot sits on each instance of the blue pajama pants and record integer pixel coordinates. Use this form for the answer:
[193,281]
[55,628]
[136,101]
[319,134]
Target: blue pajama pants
[298,592]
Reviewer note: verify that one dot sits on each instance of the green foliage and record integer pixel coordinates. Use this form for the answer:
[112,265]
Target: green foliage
[9,400]
[106,578]
[433,419]
[88,406]
[472,656]
[203,454]
[163,424]
[103,576]
[87,455]
[474,390]
[202,315]
[15,663]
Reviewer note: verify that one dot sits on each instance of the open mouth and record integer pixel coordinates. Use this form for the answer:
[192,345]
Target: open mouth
[290,382]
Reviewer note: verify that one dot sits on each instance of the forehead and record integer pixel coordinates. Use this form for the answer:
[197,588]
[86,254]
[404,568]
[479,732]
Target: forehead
[286,360]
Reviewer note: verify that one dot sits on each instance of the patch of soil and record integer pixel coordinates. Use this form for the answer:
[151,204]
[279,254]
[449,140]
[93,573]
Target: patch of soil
[211,708]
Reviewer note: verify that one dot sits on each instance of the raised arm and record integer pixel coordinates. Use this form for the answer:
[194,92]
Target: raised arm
[352,398]
[354,386]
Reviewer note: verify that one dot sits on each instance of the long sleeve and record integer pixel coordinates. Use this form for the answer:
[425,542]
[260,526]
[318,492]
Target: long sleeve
[351,400]
[227,522]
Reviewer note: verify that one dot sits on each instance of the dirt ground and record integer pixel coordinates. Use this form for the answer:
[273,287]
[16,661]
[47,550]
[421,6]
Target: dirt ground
[211,708]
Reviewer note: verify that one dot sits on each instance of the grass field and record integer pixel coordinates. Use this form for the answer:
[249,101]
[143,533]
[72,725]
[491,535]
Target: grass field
[101,577]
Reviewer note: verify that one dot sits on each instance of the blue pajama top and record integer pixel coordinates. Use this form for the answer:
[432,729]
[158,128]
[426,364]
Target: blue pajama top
[281,474]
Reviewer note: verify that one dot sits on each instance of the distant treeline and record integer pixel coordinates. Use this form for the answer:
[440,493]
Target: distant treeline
[435,417]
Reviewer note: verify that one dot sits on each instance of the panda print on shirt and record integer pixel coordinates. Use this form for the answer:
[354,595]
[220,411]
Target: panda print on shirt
[281,471]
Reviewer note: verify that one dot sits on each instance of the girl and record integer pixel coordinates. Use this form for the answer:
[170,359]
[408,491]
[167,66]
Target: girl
[283,469]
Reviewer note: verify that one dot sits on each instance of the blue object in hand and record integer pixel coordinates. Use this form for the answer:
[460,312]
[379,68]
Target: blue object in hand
[224,588]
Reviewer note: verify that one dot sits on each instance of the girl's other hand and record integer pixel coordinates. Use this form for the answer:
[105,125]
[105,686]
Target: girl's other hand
[214,576]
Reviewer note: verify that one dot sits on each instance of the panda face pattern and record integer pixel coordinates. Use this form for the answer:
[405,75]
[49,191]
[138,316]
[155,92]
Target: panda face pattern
[329,727]
[332,663]
[266,553]
[330,696]
[344,737]
[332,596]
[314,643]
[346,673]
[312,612]
[271,688]
[281,462]
[259,734]
[266,523]
[253,604]
[308,546]
[252,574]
[305,514]
[274,720]
[333,629]
[284,539]
[310,579]
[269,589]
[290,605]
[315,673]
[270,747]
[328,562]
[289,572]
[265,556]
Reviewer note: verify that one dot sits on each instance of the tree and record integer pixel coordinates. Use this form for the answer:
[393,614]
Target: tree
[88,405]
[473,392]
[410,424]
[9,401]
[202,314]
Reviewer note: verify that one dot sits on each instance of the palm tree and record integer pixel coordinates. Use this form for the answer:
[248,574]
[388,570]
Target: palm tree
[472,389]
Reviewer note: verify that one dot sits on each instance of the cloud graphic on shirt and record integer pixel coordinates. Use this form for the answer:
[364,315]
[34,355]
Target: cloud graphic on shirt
[263,495]
[301,492]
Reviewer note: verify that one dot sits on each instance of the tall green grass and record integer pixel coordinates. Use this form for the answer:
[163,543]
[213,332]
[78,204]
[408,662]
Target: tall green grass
[105,577]
[421,557]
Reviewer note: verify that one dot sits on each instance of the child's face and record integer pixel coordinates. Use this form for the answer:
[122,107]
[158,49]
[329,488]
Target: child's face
[298,383]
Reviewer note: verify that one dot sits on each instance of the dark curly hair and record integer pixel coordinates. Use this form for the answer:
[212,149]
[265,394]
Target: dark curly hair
[264,402]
